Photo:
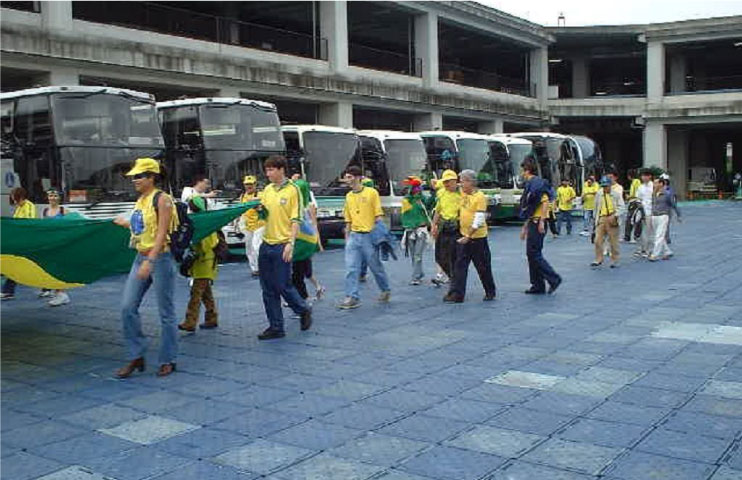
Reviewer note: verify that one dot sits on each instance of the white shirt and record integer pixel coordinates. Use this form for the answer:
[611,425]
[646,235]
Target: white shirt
[645,193]
[188,192]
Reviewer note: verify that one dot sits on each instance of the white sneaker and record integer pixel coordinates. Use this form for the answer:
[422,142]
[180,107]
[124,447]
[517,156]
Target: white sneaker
[46,293]
[59,299]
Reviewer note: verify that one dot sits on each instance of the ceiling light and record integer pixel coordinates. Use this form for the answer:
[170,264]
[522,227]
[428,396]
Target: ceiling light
[555,60]
[738,44]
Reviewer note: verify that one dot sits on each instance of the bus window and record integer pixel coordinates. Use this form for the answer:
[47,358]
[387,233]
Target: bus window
[33,125]
[441,153]
[405,157]
[374,166]
[328,155]
[499,163]
[180,127]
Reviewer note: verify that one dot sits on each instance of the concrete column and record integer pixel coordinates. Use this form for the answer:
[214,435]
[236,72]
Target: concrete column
[56,15]
[229,92]
[63,77]
[539,74]
[655,145]
[336,114]
[655,71]
[428,121]
[494,126]
[677,73]
[333,21]
[678,147]
[426,47]
[580,77]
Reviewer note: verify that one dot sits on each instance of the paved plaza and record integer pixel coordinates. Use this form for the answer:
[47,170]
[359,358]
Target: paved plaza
[628,374]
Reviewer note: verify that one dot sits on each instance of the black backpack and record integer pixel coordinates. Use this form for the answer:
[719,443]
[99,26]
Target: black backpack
[180,239]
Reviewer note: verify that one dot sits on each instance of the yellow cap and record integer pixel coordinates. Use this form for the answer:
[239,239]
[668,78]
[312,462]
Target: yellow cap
[449,175]
[249,180]
[144,165]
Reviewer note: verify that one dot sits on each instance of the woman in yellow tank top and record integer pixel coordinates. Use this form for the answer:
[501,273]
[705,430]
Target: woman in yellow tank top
[150,227]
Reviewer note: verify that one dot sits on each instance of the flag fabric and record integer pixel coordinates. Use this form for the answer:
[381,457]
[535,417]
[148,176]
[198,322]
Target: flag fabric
[68,252]
[307,240]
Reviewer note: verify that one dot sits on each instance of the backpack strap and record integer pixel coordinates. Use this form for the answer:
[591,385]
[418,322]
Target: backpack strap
[155,201]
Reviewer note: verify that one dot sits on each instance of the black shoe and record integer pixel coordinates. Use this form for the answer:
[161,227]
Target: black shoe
[306,320]
[453,298]
[488,297]
[533,291]
[269,334]
[553,287]
[208,325]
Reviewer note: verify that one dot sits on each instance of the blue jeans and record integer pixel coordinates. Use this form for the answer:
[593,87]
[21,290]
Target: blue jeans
[538,268]
[163,279]
[564,216]
[275,281]
[587,220]
[359,249]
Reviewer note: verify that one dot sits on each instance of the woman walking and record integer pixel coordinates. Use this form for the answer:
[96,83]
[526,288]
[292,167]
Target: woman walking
[23,209]
[663,204]
[151,223]
[54,210]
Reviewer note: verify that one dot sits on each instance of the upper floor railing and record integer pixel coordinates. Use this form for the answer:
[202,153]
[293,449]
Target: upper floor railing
[385,60]
[452,73]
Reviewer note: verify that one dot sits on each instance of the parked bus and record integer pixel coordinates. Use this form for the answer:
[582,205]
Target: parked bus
[322,154]
[389,157]
[508,153]
[222,138]
[461,151]
[78,140]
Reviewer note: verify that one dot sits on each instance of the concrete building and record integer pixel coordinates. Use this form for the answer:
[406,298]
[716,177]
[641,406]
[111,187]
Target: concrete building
[662,94]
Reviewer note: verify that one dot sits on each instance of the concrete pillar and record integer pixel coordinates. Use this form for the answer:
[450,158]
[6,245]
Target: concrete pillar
[333,21]
[580,77]
[428,121]
[63,76]
[336,114]
[655,145]
[539,74]
[655,71]
[678,147]
[56,15]
[426,47]
[677,73]
[229,92]
[494,126]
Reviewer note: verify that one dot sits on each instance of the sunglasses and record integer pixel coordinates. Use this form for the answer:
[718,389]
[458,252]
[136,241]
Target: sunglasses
[140,176]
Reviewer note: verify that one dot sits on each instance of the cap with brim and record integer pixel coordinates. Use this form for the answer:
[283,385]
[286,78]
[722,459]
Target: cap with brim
[605,182]
[249,180]
[144,165]
[449,175]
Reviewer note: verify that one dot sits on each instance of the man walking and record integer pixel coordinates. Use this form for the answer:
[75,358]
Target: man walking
[535,210]
[565,195]
[645,193]
[589,189]
[472,246]
[282,203]
[608,205]
[445,228]
[362,210]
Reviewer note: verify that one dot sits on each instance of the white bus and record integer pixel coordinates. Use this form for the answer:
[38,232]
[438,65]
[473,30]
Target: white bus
[508,153]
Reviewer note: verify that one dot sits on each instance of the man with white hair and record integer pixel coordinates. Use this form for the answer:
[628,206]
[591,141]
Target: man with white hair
[472,246]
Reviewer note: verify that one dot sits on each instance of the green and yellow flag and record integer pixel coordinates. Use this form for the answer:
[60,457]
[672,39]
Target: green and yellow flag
[62,253]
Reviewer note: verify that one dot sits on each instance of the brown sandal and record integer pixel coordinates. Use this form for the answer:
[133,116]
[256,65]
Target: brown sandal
[166,369]
[136,364]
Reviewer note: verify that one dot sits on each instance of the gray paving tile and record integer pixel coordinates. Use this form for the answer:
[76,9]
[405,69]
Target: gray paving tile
[424,428]
[262,456]
[689,446]
[42,433]
[724,389]
[607,434]
[465,410]
[80,450]
[256,396]
[325,466]
[715,406]
[582,457]
[366,417]
[726,473]
[103,416]
[562,403]
[498,394]
[74,472]
[149,430]
[309,404]
[404,400]
[259,422]
[608,375]
[626,413]
[652,397]
[202,443]
[588,388]
[207,471]
[530,421]
[24,466]
[379,449]
[315,435]
[518,470]
[536,381]
[156,402]
[350,390]
[497,441]
[446,463]
[137,464]
[702,424]
[640,465]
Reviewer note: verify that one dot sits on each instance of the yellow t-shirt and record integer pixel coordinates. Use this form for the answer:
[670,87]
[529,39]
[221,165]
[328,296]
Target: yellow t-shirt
[448,204]
[143,223]
[251,218]
[537,213]
[588,195]
[283,205]
[205,265]
[606,205]
[361,209]
[565,195]
[471,204]
[635,184]
[25,210]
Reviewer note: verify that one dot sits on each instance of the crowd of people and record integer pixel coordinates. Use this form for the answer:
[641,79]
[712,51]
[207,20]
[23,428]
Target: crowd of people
[281,234]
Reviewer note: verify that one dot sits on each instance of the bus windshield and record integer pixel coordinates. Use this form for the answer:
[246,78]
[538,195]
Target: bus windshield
[104,119]
[240,127]
[326,156]
[518,154]
[474,154]
[441,153]
[405,157]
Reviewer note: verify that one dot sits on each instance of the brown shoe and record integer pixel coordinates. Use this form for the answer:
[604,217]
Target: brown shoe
[125,372]
[186,328]
[166,369]
[208,325]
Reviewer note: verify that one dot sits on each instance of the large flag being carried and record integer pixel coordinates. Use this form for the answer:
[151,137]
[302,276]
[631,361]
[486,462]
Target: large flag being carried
[71,252]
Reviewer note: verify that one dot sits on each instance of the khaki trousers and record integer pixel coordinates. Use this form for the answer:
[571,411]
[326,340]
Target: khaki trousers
[605,228]
[201,292]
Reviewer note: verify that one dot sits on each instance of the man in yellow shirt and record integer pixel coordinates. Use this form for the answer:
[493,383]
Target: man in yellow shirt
[445,227]
[589,189]
[608,206]
[472,246]
[282,202]
[565,195]
[362,210]
[251,225]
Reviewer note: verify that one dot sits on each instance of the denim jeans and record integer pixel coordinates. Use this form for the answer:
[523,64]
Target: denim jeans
[475,251]
[163,279]
[564,216]
[538,268]
[359,249]
[587,220]
[275,281]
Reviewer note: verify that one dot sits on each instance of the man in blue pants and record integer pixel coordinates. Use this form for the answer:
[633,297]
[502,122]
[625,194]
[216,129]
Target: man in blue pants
[533,232]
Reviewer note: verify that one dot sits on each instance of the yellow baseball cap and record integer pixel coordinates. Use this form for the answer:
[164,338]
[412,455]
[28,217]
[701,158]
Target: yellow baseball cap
[249,180]
[144,165]
[449,175]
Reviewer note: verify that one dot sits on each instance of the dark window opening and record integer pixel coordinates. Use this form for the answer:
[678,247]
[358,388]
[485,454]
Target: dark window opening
[25,6]
[704,67]
[370,119]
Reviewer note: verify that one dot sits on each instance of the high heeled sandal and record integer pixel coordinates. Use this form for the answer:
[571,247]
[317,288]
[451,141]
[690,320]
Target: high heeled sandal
[136,364]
